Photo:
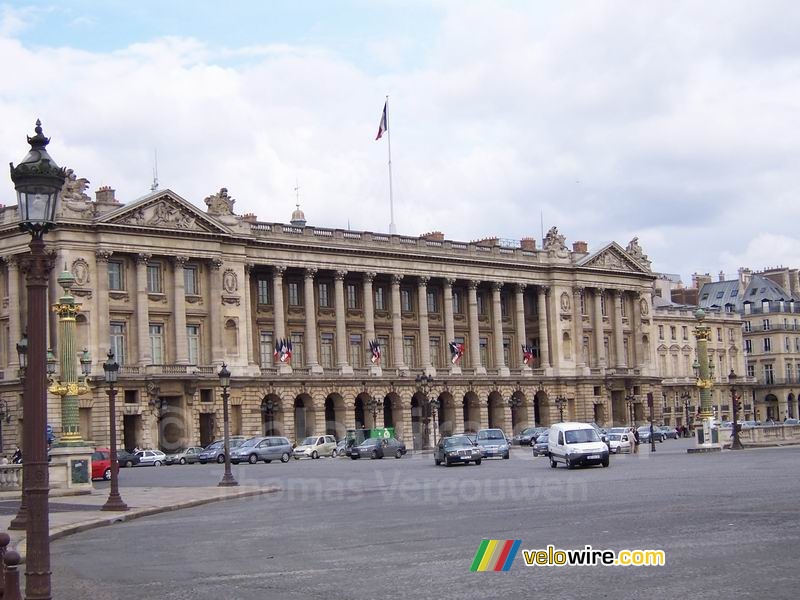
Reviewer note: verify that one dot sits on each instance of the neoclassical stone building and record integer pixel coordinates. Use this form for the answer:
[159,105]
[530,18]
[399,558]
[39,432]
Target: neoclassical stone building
[176,291]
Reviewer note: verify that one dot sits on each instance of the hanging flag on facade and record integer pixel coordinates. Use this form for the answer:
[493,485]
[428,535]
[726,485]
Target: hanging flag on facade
[456,352]
[527,354]
[375,349]
[283,351]
[383,126]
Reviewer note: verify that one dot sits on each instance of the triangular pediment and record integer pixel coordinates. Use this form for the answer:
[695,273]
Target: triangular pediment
[613,257]
[164,209]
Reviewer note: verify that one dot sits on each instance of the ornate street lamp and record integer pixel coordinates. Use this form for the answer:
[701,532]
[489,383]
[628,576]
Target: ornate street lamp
[38,182]
[686,397]
[561,402]
[268,407]
[434,405]
[111,370]
[22,354]
[631,400]
[514,403]
[225,382]
[736,443]
[424,384]
[374,405]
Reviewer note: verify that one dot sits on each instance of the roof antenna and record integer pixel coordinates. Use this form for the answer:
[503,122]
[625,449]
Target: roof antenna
[154,186]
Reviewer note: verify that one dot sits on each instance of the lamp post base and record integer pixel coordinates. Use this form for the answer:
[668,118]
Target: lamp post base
[115,504]
[227,481]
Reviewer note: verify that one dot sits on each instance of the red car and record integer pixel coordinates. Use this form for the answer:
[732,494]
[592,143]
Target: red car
[101,464]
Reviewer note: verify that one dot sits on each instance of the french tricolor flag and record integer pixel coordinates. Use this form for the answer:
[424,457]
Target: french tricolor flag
[383,127]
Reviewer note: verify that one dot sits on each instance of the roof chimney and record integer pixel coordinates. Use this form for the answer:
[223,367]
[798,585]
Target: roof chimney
[722,275]
[105,195]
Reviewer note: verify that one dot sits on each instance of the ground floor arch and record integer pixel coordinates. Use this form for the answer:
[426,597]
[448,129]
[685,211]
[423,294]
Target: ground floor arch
[520,413]
[472,412]
[496,410]
[304,417]
[272,415]
[541,409]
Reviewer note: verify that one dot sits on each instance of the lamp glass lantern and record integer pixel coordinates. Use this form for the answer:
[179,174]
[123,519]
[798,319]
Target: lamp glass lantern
[51,362]
[224,376]
[86,363]
[111,368]
[22,351]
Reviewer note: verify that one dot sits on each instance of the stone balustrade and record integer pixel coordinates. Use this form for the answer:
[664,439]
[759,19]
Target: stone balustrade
[10,478]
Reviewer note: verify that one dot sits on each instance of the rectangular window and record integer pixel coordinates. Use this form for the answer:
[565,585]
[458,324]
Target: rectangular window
[298,355]
[672,333]
[405,301]
[190,280]
[751,370]
[789,374]
[661,332]
[352,295]
[583,303]
[324,299]
[263,291]
[193,341]
[294,298]
[507,351]
[386,350]
[685,333]
[769,375]
[484,348]
[504,306]
[380,298]
[409,351]
[154,278]
[787,344]
[719,334]
[456,302]
[767,345]
[623,306]
[157,343]
[603,305]
[356,351]
[436,358]
[747,326]
[481,305]
[433,306]
[115,280]
[765,324]
[265,348]
[118,341]
[748,346]
[326,350]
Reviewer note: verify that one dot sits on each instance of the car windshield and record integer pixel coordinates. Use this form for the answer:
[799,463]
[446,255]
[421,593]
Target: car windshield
[615,436]
[491,434]
[309,441]
[529,431]
[457,441]
[370,442]
[581,436]
[249,443]
[215,445]
[543,439]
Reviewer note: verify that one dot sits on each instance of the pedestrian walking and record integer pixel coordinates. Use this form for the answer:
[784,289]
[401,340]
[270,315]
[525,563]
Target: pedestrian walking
[635,441]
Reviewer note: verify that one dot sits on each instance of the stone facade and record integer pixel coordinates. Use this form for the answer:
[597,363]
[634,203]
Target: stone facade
[176,292]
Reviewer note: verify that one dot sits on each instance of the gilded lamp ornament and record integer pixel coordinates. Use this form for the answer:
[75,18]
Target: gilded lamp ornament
[704,365]
[69,383]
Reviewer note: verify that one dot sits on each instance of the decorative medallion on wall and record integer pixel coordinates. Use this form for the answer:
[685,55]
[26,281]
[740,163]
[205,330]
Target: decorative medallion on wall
[645,308]
[565,301]
[230,282]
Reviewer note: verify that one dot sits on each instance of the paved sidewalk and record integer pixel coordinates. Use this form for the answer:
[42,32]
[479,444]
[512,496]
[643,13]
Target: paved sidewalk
[74,513]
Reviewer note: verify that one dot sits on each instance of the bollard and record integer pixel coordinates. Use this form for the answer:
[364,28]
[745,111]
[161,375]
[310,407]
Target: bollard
[5,540]
[12,591]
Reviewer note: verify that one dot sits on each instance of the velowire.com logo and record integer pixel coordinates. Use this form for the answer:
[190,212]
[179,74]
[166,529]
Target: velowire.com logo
[495,555]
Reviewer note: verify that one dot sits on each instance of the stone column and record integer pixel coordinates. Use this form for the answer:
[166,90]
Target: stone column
[497,330]
[102,339]
[638,348]
[407,432]
[179,310]
[544,341]
[619,344]
[277,302]
[369,320]
[311,321]
[349,413]
[458,412]
[341,327]
[519,321]
[319,417]
[424,334]
[483,405]
[449,326]
[215,310]
[248,269]
[14,311]
[142,310]
[397,324]
[508,419]
[577,315]
[474,336]
[600,357]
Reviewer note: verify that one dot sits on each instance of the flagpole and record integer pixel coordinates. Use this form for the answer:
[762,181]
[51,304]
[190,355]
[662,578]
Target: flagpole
[392,228]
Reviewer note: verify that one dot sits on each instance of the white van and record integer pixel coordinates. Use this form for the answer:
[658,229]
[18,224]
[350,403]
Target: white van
[576,444]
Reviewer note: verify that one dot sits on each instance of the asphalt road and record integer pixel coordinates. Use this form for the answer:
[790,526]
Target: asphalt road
[729,524]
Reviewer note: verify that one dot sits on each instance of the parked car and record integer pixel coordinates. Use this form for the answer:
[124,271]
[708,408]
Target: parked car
[341,449]
[315,446]
[527,436]
[188,456]
[791,422]
[154,458]
[456,449]
[262,448]
[540,445]
[215,451]
[669,432]
[619,443]
[127,459]
[576,444]
[101,464]
[472,435]
[493,442]
[378,448]
[644,434]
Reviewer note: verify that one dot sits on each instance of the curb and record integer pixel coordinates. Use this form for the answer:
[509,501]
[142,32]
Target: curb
[109,518]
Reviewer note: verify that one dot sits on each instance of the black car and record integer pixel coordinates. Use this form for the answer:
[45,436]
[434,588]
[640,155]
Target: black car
[456,449]
[127,459]
[378,448]
[540,446]
[527,436]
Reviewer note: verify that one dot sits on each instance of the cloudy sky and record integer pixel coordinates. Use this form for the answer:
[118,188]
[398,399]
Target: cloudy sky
[676,122]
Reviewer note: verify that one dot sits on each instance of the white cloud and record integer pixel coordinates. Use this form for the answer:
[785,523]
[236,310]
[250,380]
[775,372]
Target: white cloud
[674,122]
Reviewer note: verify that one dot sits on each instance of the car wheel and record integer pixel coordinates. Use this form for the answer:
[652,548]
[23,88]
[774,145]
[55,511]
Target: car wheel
[334,454]
[373,454]
[314,454]
[182,461]
[447,462]
[354,456]
[477,462]
[221,459]
[398,453]
[553,463]
[570,464]
[129,463]
[297,458]
[267,461]
[605,461]
[157,463]
[234,462]
[107,474]
[437,461]
[252,459]
[285,457]
[506,456]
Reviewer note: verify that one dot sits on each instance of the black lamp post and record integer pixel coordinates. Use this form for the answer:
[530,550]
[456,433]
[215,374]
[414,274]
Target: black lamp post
[630,400]
[269,406]
[435,405]
[20,522]
[38,182]
[225,382]
[514,402]
[111,370]
[374,404]
[561,402]
[424,383]
[736,443]
[687,401]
